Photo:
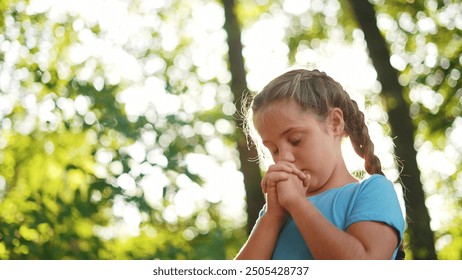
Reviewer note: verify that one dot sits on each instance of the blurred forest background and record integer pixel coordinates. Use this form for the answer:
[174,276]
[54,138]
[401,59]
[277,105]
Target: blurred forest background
[119,128]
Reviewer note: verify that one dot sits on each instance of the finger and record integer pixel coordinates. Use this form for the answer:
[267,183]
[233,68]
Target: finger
[270,179]
[306,181]
[286,163]
[280,167]
[263,185]
[276,177]
[288,167]
[300,174]
[273,178]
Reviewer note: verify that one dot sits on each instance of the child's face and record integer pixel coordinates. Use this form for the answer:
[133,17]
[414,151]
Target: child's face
[301,138]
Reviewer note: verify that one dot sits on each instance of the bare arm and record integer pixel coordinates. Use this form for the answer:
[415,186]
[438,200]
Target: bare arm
[362,240]
[262,240]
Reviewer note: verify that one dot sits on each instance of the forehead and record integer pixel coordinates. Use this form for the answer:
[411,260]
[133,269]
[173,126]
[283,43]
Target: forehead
[280,116]
[284,109]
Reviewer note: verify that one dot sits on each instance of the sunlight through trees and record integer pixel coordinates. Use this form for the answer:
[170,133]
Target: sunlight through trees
[118,129]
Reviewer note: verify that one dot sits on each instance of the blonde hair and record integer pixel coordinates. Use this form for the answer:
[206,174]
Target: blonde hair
[316,92]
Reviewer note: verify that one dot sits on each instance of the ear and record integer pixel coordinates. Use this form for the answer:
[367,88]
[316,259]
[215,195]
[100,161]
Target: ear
[336,122]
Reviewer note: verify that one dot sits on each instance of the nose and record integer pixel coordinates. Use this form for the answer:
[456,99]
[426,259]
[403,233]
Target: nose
[286,155]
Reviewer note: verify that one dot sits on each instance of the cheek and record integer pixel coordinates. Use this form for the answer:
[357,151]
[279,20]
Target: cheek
[315,155]
[308,157]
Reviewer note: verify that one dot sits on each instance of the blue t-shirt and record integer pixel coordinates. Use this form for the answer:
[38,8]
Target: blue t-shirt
[373,199]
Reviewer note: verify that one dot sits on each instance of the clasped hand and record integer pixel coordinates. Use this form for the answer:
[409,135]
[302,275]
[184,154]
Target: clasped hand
[284,185]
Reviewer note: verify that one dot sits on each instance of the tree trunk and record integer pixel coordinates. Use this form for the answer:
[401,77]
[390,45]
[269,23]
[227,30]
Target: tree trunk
[421,239]
[250,170]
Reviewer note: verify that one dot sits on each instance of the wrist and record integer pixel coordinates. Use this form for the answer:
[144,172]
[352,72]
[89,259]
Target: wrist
[297,206]
[273,220]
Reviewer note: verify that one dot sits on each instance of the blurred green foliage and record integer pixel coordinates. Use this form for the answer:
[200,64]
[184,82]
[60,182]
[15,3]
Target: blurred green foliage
[68,125]
[65,143]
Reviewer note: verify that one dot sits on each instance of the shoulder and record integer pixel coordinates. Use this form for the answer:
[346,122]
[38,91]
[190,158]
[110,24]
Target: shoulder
[376,183]
[376,199]
[376,179]
[376,194]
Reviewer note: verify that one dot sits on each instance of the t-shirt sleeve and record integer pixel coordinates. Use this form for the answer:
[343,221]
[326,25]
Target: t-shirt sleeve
[376,200]
[262,211]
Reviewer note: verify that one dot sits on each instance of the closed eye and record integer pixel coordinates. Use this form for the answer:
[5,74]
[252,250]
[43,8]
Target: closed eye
[295,142]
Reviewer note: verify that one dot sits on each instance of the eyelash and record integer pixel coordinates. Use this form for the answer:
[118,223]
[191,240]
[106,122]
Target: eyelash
[294,143]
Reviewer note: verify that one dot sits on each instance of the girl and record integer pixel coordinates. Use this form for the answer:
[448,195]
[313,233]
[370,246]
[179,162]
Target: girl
[315,209]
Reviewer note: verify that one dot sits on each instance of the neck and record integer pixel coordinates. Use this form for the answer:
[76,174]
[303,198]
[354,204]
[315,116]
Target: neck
[339,178]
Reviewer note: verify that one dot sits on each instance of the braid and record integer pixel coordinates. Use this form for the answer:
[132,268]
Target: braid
[317,92]
[356,127]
